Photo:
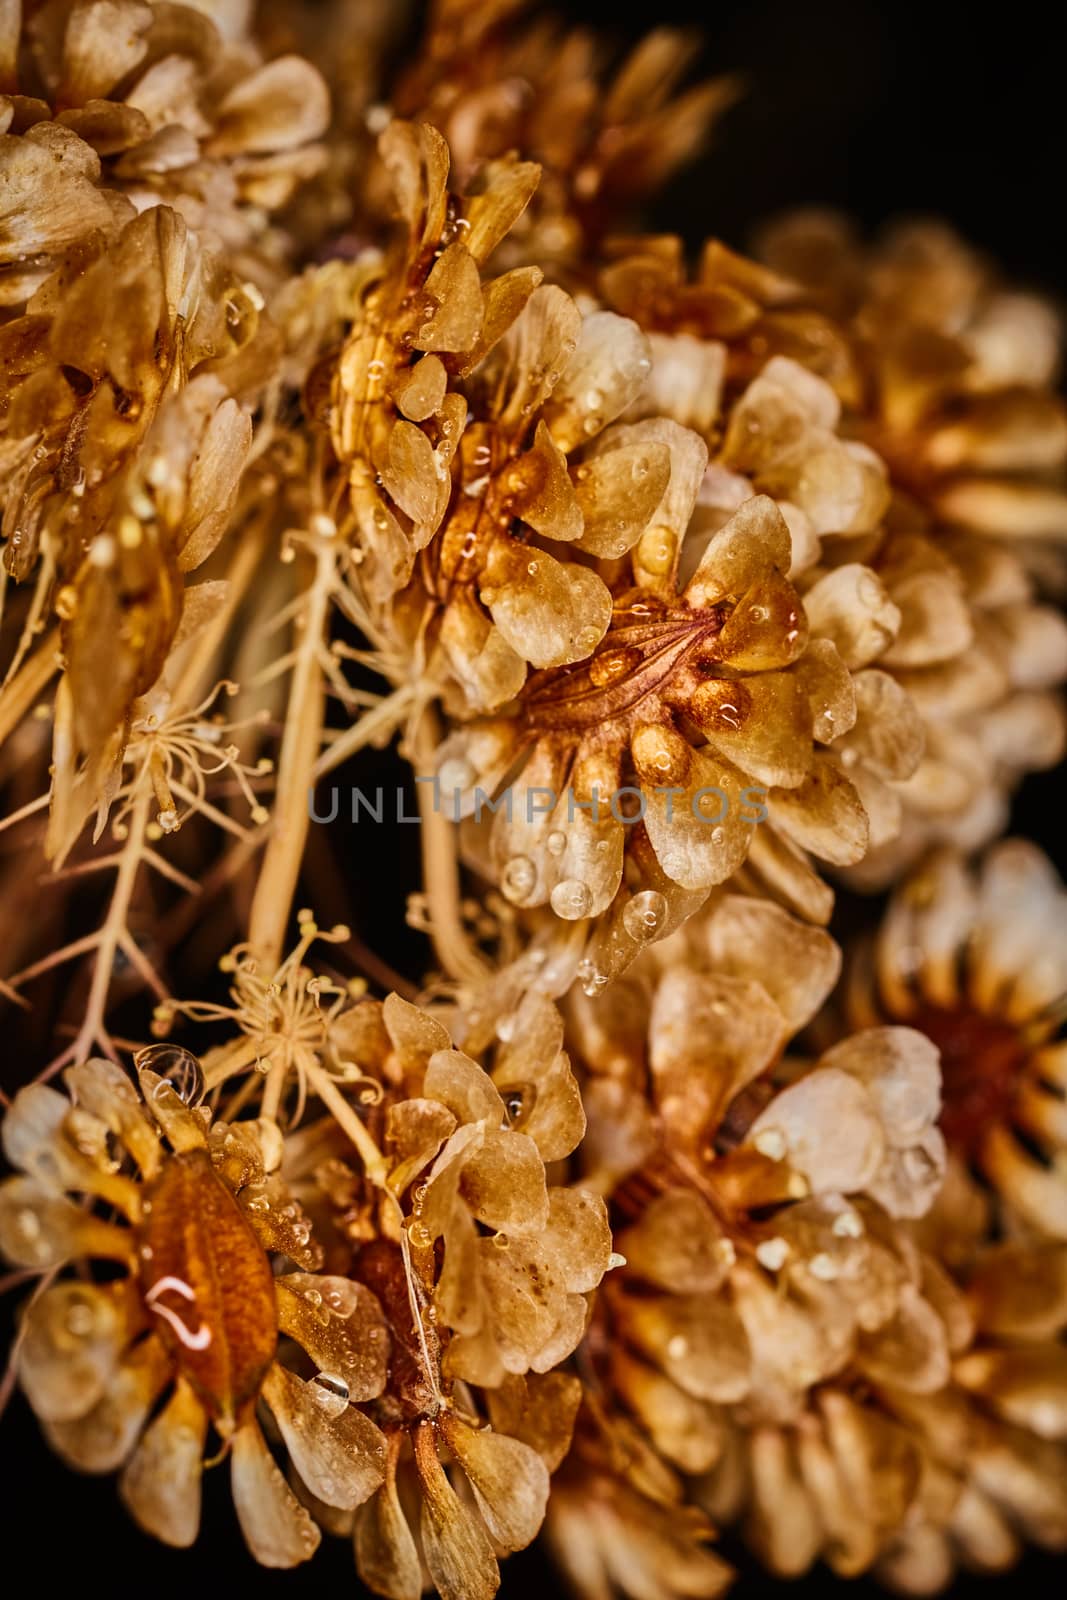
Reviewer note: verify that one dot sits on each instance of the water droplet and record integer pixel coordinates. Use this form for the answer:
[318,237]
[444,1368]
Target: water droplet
[81,1318]
[823,1267]
[178,1068]
[645,914]
[331,1393]
[519,1101]
[773,1253]
[556,842]
[518,879]
[718,835]
[532,568]
[758,613]
[571,899]
[678,1347]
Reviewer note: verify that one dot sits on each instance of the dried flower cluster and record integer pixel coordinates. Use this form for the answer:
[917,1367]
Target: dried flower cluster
[342,406]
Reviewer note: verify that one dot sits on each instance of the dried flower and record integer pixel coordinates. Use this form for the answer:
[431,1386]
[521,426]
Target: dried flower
[494,84]
[196,1317]
[121,105]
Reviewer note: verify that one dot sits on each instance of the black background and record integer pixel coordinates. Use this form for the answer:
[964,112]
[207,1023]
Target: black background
[880,110]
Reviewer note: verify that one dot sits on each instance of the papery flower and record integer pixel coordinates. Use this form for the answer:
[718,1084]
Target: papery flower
[956,630]
[759,1204]
[122,464]
[707,727]
[958,372]
[606,137]
[975,958]
[132,1371]
[483,1271]
[115,106]
[525,494]
[994,1443]
[423,316]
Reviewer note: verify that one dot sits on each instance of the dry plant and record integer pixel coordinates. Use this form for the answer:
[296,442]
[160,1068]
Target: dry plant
[345,408]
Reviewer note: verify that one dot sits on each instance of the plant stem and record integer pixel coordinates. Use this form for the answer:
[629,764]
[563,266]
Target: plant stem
[301,742]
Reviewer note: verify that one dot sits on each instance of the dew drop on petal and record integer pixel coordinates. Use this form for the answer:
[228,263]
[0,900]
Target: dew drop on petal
[519,877]
[519,1102]
[177,1067]
[557,842]
[645,914]
[331,1393]
[571,899]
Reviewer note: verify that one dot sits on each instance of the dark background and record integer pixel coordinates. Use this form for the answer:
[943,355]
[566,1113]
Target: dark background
[879,110]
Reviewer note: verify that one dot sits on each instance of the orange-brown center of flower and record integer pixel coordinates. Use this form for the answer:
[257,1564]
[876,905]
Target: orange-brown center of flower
[982,1059]
[642,651]
[207,1286]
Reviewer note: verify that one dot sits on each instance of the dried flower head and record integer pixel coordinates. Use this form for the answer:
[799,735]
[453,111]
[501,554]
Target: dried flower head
[759,1208]
[606,137]
[975,959]
[483,1271]
[132,1371]
[116,106]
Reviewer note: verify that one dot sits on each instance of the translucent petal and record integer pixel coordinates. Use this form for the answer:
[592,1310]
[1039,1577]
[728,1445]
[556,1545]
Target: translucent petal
[540,490]
[509,1479]
[276,107]
[550,612]
[737,931]
[461,1085]
[538,1409]
[676,1244]
[496,203]
[72,1337]
[340,1456]
[851,608]
[710,1035]
[697,1340]
[41,1230]
[35,1138]
[160,1485]
[552,1116]
[455,1544]
[386,1557]
[824,815]
[526,1295]
[829,1129]
[503,1183]
[606,372]
[619,490]
[104,1089]
[753,543]
[415,1130]
[101,1440]
[277,1529]
[340,1325]
[454,285]
[415,1034]
[698,832]
[580,1236]
[761,724]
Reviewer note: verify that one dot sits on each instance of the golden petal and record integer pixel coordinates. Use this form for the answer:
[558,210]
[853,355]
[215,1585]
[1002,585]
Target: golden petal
[456,1547]
[550,612]
[340,1455]
[509,1479]
[160,1485]
[277,1529]
[606,371]
[101,1440]
[340,1325]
